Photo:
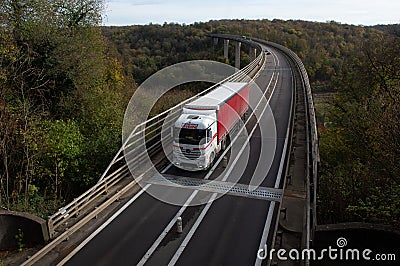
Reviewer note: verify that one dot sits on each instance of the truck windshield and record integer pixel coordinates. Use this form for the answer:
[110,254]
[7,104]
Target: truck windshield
[190,136]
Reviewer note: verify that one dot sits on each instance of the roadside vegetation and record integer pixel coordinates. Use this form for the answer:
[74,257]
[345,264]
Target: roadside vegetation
[66,80]
[63,94]
[360,147]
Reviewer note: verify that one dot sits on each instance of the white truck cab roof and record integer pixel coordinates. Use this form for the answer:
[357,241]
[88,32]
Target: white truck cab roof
[196,119]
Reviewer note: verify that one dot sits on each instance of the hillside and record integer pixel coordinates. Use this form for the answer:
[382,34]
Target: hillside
[323,47]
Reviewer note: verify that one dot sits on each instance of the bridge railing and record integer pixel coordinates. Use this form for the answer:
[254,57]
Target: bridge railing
[312,148]
[148,132]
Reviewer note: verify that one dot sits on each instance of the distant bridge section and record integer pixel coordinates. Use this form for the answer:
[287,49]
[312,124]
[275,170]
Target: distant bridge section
[254,47]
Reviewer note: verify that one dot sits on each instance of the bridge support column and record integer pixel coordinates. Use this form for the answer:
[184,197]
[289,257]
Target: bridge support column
[237,54]
[252,53]
[226,47]
[215,41]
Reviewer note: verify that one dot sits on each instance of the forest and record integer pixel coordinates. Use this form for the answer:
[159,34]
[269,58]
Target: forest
[66,81]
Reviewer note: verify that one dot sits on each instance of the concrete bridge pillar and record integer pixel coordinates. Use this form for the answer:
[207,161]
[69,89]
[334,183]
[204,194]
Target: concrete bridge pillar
[226,47]
[237,54]
[215,41]
[252,53]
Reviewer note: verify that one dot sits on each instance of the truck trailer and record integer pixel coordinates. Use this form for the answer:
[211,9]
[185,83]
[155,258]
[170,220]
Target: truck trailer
[201,131]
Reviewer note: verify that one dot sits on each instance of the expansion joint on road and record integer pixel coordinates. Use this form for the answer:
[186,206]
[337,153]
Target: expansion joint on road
[214,186]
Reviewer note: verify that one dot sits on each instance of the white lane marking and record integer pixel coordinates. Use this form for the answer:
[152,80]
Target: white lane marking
[166,230]
[185,242]
[104,225]
[166,168]
[268,221]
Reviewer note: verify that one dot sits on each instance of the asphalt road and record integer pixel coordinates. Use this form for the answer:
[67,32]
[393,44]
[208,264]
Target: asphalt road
[230,231]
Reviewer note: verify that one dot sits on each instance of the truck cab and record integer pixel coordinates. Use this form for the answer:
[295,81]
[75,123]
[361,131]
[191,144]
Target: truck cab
[195,140]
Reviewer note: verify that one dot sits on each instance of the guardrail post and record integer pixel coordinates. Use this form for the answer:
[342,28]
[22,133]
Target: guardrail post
[105,187]
[76,208]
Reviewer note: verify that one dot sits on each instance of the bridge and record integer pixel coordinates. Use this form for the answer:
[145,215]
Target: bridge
[118,222]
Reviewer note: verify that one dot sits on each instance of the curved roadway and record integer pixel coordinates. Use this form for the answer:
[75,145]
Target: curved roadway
[229,231]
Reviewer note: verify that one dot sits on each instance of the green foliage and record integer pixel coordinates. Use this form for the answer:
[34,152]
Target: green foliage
[378,207]
[64,147]
[20,238]
[360,175]
[64,140]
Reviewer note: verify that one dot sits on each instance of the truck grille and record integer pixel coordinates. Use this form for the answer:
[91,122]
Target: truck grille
[190,154]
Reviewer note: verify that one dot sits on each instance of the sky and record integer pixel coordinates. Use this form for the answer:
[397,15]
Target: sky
[356,12]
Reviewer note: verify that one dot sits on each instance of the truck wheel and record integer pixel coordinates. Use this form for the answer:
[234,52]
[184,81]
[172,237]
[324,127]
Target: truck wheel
[223,145]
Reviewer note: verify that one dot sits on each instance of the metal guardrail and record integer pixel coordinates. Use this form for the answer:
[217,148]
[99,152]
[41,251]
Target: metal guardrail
[148,132]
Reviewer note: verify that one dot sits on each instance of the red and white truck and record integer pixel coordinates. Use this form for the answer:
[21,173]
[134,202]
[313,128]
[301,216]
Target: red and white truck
[200,132]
